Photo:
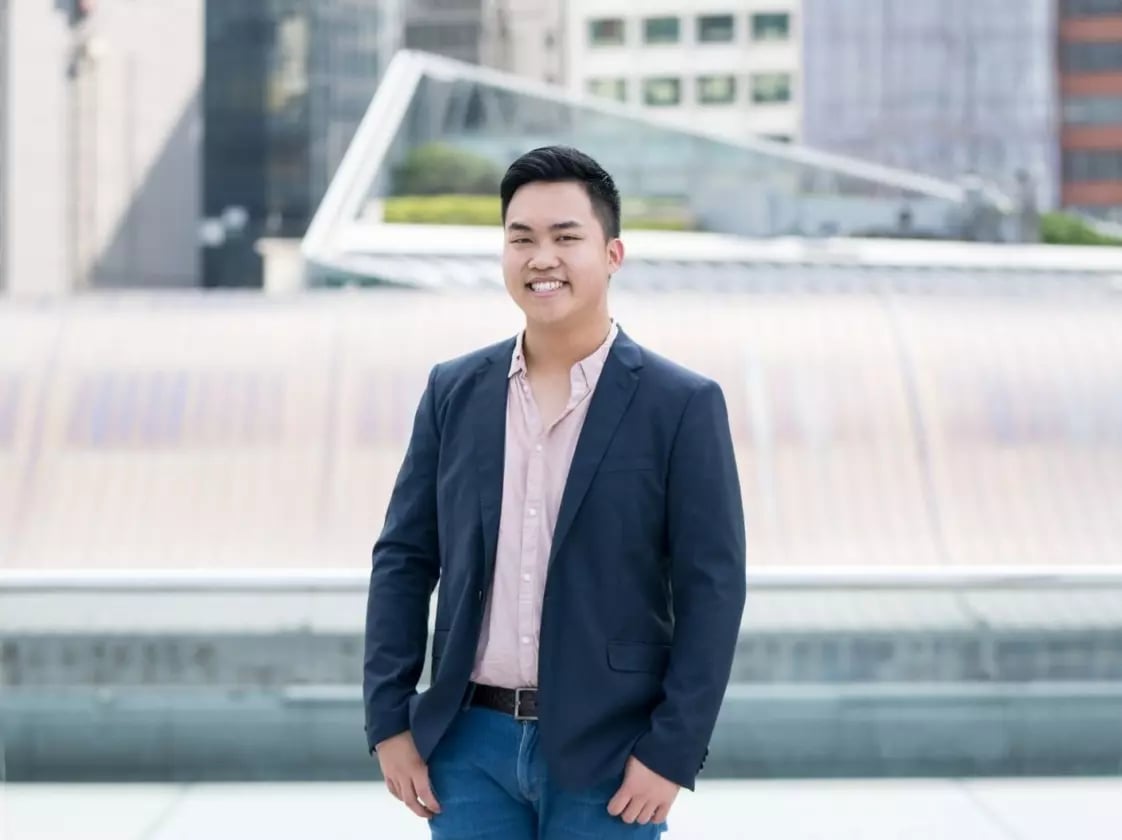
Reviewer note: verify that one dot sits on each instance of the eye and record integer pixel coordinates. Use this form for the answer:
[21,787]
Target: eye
[569,238]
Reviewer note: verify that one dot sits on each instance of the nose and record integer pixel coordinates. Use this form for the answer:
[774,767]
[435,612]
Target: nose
[544,258]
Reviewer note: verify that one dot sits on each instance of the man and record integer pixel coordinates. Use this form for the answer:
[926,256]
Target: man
[576,497]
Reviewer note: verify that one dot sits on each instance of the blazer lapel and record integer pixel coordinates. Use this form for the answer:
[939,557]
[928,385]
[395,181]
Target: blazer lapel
[613,394]
[489,409]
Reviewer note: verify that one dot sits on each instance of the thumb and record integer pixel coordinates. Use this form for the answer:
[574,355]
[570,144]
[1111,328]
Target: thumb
[620,801]
[424,790]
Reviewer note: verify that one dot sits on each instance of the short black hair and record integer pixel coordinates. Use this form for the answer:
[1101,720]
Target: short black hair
[564,163]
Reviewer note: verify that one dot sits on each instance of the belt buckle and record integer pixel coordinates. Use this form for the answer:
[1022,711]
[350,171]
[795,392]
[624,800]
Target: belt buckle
[518,705]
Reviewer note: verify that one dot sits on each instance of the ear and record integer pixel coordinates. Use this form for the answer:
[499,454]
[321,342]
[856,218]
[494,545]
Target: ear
[615,255]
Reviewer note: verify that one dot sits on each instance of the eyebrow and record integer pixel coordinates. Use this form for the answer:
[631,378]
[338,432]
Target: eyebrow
[566,225]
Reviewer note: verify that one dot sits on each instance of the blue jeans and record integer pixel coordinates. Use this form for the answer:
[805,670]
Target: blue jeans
[492,784]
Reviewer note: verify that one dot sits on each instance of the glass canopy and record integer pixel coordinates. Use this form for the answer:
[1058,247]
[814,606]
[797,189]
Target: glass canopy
[439,134]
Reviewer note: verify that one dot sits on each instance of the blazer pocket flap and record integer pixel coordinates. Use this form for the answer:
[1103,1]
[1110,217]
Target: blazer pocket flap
[638,656]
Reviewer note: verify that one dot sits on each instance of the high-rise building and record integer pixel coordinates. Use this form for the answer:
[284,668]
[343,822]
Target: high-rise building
[4,209]
[732,67]
[943,87]
[100,132]
[526,38]
[287,83]
[453,28]
[1090,54]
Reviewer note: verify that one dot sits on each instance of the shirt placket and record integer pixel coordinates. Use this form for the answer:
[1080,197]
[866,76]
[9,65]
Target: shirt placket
[532,538]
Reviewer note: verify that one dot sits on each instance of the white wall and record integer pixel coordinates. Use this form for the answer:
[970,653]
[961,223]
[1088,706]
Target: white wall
[526,37]
[150,132]
[121,206]
[35,214]
[689,59]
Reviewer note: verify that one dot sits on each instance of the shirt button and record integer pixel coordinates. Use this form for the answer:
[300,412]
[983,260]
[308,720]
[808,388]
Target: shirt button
[526,578]
[533,512]
[525,640]
[538,448]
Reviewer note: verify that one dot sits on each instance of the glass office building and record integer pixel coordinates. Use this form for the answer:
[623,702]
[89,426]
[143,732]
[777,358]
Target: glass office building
[287,82]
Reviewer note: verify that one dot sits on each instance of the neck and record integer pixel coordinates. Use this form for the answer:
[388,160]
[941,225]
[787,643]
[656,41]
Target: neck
[559,347]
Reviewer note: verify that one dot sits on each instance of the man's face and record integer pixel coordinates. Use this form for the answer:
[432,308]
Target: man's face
[556,258]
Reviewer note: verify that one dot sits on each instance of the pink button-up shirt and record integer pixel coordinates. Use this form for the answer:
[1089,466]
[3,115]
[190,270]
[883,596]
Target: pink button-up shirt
[536,467]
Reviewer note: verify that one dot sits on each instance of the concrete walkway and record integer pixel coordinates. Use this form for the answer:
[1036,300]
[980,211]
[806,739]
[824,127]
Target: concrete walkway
[1038,809]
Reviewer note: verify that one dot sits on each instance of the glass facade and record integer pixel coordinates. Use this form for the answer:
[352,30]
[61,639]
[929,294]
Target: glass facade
[929,88]
[287,82]
[716,29]
[446,27]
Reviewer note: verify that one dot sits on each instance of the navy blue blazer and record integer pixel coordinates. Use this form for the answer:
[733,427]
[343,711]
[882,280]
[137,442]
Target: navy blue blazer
[646,580]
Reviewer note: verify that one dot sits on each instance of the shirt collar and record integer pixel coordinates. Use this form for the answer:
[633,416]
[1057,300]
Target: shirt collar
[590,366]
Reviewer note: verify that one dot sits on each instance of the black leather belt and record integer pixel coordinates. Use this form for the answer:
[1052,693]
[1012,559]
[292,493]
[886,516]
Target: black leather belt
[521,703]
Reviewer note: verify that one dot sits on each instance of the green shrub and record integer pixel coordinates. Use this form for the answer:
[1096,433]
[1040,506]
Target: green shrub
[1065,229]
[439,169]
[486,210]
[443,210]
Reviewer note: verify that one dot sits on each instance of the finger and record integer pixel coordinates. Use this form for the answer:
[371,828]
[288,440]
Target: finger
[660,814]
[634,809]
[424,791]
[411,800]
[646,816]
[619,802]
[393,788]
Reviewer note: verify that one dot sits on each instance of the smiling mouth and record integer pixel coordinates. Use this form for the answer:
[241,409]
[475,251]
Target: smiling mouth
[546,285]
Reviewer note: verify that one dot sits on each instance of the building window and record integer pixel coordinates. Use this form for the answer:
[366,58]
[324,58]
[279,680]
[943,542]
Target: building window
[771,26]
[606,32]
[716,90]
[661,30]
[1091,57]
[662,91]
[608,88]
[1086,8]
[1093,110]
[1094,165]
[771,88]
[715,29]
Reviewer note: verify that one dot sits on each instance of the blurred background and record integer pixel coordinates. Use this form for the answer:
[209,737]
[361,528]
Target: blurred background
[236,234]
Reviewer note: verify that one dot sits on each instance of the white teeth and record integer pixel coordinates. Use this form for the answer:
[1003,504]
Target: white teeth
[546,286]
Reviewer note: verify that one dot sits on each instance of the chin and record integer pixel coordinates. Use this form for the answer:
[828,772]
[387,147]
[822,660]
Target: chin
[549,311]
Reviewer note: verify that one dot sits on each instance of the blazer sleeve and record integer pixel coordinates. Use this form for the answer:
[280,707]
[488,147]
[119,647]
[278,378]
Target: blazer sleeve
[405,567]
[706,541]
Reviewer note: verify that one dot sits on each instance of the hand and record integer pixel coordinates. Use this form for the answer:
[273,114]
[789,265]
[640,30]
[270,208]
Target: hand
[644,797]
[406,775]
